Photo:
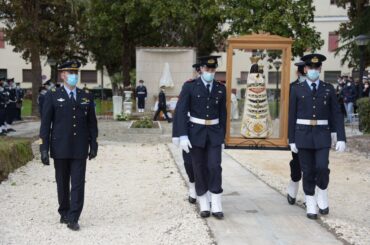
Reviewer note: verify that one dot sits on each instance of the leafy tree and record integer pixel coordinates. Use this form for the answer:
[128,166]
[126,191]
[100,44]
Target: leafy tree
[41,28]
[287,18]
[359,19]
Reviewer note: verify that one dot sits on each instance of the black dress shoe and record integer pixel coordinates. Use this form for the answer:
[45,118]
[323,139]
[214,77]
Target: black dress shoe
[10,130]
[324,211]
[218,215]
[74,226]
[291,200]
[63,220]
[312,216]
[205,214]
[192,200]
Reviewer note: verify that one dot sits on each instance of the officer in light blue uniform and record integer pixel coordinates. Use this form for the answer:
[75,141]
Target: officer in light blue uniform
[314,113]
[203,134]
[69,130]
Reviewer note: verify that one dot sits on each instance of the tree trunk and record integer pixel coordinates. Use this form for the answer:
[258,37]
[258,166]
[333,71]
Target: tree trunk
[36,77]
[126,57]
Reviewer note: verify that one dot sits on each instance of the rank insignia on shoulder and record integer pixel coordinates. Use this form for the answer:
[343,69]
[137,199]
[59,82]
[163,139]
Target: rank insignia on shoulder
[60,99]
[85,101]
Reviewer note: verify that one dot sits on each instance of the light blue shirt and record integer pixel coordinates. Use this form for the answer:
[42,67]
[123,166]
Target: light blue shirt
[310,83]
[206,83]
[74,91]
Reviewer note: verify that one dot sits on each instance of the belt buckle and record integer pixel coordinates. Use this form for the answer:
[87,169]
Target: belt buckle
[313,122]
[208,122]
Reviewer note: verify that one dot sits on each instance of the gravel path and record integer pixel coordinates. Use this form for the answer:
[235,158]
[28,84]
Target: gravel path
[134,195]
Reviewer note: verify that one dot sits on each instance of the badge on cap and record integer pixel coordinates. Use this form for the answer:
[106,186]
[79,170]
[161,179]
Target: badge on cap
[314,59]
[211,61]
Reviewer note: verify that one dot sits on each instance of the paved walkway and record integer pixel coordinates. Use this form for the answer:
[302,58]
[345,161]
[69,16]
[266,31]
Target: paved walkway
[257,214]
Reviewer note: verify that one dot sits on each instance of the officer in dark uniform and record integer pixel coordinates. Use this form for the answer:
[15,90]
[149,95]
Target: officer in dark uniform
[42,92]
[203,134]
[141,94]
[69,130]
[162,105]
[11,108]
[295,167]
[4,96]
[19,92]
[186,155]
[313,114]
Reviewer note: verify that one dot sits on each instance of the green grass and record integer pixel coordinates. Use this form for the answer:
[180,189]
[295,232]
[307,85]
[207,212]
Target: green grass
[26,108]
[102,107]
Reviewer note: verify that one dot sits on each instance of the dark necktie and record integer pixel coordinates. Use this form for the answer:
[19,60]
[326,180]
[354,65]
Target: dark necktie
[208,88]
[314,90]
[72,97]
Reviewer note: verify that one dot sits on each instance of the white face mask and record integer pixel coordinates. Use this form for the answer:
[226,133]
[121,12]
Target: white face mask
[348,84]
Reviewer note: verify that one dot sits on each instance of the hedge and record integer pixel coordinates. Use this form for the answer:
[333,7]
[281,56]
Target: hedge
[14,153]
[363,108]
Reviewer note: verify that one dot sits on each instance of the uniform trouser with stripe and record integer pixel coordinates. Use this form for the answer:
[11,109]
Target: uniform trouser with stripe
[314,163]
[295,168]
[188,166]
[71,199]
[207,168]
[141,103]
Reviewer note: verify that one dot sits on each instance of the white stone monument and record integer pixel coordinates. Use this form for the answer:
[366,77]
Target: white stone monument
[127,104]
[117,106]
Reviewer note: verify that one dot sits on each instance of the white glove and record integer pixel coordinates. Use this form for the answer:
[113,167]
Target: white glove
[340,146]
[176,141]
[293,148]
[185,144]
[333,138]
[223,146]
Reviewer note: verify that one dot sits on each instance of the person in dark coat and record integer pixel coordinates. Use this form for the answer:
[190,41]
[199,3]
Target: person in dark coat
[162,105]
[348,94]
[366,90]
[19,101]
[42,92]
[69,131]
[11,108]
[141,94]
[314,113]
[4,97]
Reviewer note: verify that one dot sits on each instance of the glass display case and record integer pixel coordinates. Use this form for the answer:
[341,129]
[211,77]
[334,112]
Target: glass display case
[258,73]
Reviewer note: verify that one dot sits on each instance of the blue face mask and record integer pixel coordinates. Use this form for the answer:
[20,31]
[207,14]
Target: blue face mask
[302,79]
[72,79]
[313,74]
[208,77]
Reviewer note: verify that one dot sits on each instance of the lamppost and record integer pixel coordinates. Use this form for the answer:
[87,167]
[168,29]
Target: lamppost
[361,42]
[53,70]
[277,65]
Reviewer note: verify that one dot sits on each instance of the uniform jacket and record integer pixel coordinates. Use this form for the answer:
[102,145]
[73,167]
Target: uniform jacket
[323,106]
[194,98]
[349,94]
[141,92]
[68,128]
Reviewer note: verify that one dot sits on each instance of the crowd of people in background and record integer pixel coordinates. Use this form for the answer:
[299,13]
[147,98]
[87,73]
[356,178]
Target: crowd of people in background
[11,101]
[349,91]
